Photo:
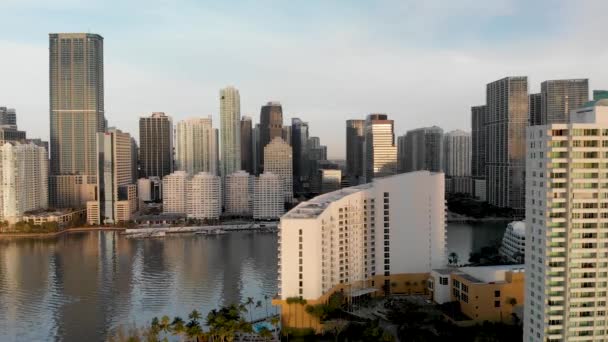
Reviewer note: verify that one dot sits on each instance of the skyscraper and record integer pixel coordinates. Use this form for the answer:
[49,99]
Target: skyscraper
[195,146]
[559,97]
[354,150]
[535,109]
[380,150]
[457,152]
[278,159]
[507,105]
[255,142]
[479,116]
[134,161]
[246,144]
[299,145]
[457,161]
[423,149]
[156,145]
[76,101]
[230,130]
[271,125]
[566,228]
[23,180]
[8,117]
[116,198]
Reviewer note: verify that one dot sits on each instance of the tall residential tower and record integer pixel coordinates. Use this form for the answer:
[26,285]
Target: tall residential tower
[230,130]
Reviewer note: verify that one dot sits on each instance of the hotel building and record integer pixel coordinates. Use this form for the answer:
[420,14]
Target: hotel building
[361,240]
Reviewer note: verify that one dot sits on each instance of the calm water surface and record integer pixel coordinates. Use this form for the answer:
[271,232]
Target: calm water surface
[83,286]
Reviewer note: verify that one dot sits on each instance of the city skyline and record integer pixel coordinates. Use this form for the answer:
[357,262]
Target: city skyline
[481,53]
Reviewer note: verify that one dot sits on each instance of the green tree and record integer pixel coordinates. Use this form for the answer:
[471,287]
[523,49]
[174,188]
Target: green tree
[178,327]
[265,333]
[453,258]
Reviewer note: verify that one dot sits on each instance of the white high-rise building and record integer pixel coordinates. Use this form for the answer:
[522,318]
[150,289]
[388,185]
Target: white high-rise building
[457,153]
[195,146]
[204,196]
[175,194]
[268,197]
[278,159]
[567,228]
[230,126]
[364,238]
[23,179]
[238,200]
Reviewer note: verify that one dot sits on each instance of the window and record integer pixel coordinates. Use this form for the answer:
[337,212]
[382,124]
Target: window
[443,280]
[496,293]
[496,303]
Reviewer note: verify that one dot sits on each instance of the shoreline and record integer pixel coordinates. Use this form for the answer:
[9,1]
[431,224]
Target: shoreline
[57,234]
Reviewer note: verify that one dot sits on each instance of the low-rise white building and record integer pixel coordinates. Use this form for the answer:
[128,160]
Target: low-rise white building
[204,196]
[513,246]
[238,199]
[268,197]
[23,180]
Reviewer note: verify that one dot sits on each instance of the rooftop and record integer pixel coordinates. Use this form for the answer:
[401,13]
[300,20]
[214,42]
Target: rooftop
[314,207]
[488,274]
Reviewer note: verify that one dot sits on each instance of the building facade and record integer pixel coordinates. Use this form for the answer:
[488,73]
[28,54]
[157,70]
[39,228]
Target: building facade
[299,145]
[268,197]
[238,200]
[361,239]
[76,88]
[247,144]
[507,105]
[271,126]
[535,109]
[230,131]
[204,197]
[566,227]
[175,193]
[23,180]
[422,149]
[195,146]
[8,117]
[513,245]
[559,97]
[354,150]
[156,145]
[278,159]
[380,150]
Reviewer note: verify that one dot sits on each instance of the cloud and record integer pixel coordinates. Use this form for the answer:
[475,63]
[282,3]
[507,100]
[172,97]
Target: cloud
[423,63]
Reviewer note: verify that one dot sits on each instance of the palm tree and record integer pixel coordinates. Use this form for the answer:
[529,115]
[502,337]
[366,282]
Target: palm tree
[165,324]
[249,303]
[258,304]
[266,304]
[178,327]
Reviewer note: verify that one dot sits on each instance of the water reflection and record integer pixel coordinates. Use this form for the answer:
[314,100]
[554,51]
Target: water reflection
[81,286]
[465,238]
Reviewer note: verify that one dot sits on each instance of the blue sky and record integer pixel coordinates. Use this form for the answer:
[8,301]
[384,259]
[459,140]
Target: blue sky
[422,62]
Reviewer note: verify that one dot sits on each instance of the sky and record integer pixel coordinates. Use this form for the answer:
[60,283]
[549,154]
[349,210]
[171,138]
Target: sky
[423,63]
